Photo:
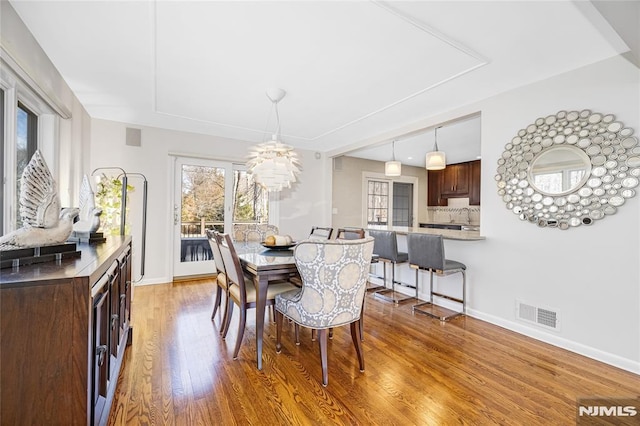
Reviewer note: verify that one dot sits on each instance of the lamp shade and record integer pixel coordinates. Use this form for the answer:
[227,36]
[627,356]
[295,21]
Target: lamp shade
[435,160]
[392,168]
[273,164]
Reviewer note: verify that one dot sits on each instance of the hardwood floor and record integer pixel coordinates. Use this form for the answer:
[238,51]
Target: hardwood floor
[417,371]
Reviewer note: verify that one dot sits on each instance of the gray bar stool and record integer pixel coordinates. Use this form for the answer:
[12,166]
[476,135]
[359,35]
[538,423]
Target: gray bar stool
[386,247]
[426,252]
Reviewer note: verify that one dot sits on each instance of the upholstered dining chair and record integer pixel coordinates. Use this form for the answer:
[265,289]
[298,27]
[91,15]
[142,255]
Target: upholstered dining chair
[318,232]
[350,233]
[241,290]
[221,278]
[334,276]
[253,232]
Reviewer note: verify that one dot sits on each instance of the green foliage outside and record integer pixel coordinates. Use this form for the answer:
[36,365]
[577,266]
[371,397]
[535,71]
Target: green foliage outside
[109,199]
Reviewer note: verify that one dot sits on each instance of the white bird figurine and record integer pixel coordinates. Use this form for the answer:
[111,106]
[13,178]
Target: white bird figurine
[89,217]
[42,221]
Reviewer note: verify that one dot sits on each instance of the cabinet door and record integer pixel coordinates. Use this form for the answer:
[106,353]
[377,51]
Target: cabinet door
[474,183]
[456,180]
[114,325]
[100,345]
[434,182]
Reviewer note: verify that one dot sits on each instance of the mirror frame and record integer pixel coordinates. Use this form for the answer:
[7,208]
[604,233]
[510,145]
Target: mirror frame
[614,154]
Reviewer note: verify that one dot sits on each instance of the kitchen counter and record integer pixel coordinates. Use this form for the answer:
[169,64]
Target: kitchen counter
[447,234]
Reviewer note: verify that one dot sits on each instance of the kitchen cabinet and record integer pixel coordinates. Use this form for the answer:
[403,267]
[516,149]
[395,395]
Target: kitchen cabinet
[455,180]
[65,326]
[461,180]
[474,183]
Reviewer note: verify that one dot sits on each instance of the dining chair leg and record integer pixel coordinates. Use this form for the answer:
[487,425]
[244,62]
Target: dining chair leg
[241,326]
[225,328]
[361,323]
[322,339]
[313,334]
[279,320]
[331,333]
[226,312]
[357,343]
[216,302]
[297,329]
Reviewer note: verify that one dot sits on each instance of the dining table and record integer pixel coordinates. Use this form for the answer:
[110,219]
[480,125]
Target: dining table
[264,266]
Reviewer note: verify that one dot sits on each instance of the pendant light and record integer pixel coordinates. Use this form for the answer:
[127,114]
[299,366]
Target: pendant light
[435,160]
[273,164]
[393,168]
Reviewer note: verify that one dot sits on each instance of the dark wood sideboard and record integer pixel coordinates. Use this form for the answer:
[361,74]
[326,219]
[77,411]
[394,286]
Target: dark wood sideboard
[64,329]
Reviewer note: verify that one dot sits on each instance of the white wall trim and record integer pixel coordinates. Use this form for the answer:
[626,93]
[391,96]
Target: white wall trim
[50,99]
[626,364]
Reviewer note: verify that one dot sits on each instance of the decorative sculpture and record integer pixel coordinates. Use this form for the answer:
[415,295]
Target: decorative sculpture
[89,217]
[42,221]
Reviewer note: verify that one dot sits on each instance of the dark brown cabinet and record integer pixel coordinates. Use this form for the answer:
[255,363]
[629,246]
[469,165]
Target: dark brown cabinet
[65,326]
[474,180]
[460,180]
[455,180]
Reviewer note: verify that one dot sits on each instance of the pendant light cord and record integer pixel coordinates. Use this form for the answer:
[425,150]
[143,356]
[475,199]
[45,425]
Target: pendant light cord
[436,139]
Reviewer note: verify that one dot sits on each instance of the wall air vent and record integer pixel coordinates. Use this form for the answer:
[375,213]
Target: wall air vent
[544,317]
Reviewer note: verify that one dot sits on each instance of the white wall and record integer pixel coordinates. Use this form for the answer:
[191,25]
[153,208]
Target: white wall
[299,207]
[590,275]
[63,141]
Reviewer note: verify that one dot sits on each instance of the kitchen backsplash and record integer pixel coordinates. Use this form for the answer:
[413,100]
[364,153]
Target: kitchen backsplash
[467,215]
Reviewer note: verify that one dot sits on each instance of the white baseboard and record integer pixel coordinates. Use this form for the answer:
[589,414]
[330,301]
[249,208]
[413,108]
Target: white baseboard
[630,365]
[151,281]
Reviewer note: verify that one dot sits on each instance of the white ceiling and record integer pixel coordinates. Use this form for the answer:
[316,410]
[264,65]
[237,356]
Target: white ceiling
[353,70]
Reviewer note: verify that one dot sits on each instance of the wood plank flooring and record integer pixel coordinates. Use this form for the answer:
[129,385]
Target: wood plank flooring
[418,371]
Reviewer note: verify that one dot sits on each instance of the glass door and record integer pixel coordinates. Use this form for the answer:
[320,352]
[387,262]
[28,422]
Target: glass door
[203,190]
[210,194]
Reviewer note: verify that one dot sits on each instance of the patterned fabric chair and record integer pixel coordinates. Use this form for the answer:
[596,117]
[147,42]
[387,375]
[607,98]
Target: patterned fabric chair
[253,232]
[334,276]
[221,279]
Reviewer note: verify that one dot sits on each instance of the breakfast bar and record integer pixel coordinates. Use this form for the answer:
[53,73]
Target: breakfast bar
[447,234]
[460,245]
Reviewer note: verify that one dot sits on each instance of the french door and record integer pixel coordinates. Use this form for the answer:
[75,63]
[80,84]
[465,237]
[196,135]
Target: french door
[210,194]
[203,191]
[389,202]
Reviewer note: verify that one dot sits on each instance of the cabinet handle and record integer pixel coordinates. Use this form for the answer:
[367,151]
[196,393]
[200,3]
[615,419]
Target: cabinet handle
[114,320]
[102,349]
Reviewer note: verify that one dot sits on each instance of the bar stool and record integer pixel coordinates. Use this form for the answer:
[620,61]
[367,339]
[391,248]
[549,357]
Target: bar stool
[386,247]
[426,252]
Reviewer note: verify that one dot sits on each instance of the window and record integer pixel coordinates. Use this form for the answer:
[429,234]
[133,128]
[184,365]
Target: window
[250,201]
[558,182]
[377,202]
[26,146]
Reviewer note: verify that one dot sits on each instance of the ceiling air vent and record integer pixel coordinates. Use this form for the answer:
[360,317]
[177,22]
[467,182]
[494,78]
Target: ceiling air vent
[540,316]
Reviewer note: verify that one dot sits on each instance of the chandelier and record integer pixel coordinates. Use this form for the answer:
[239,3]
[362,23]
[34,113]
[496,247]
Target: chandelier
[273,164]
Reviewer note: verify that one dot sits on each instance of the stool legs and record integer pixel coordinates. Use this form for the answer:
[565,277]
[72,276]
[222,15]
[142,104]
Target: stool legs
[381,294]
[441,313]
